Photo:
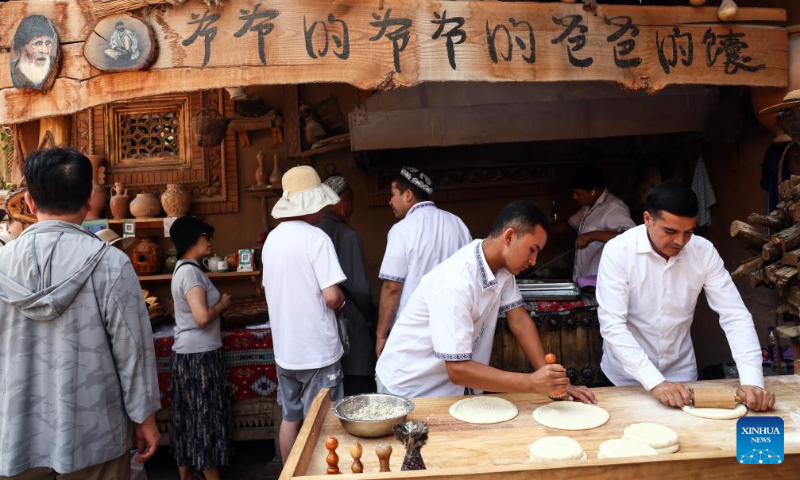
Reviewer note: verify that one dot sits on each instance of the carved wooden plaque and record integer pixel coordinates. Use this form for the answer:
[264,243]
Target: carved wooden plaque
[121,43]
[35,54]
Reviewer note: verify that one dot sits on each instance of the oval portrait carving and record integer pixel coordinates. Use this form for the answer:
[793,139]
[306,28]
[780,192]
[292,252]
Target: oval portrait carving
[34,54]
[121,43]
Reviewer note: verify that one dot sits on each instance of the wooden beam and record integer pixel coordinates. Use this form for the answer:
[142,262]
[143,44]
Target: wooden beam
[186,64]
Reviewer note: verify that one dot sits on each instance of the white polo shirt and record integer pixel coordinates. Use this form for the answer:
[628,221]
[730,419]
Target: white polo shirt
[608,213]
[299,262]
[451,316]
[423,239]
[647,307]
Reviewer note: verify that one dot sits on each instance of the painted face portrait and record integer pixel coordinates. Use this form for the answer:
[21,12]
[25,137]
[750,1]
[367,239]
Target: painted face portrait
[35,49]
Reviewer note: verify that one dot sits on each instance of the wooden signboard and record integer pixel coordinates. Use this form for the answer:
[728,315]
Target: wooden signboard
[120,43]
[34,54]
[394,43]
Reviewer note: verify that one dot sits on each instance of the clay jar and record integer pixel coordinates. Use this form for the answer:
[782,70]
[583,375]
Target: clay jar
[145,205]
[175,200]
[148,257]
[119,201]
[97,203]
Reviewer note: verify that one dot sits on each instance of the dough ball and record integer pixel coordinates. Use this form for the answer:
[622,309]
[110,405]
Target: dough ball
[653,434]
[483,409]
[620,448]
[717,413]
[570,416]
[556,448]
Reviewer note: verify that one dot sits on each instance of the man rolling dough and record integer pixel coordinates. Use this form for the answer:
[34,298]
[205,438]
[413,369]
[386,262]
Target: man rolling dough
[647,288]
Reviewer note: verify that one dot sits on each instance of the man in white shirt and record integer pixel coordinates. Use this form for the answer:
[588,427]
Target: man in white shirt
[647,289]
[442,340]
[301,276]
[602,216]
[423,238]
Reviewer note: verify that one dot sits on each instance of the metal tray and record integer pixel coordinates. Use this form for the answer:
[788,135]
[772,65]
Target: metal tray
[564,292]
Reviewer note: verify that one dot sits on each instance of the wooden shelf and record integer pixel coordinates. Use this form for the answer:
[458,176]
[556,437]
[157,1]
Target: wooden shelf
[325,149]
[214,275]
[258,191]
[140,222]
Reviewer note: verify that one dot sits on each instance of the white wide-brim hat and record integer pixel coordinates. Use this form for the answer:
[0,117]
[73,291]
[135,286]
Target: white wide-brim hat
[303,194]
[110,237]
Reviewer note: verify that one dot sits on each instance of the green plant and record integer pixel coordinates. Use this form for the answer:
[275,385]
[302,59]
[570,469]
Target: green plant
[6,140]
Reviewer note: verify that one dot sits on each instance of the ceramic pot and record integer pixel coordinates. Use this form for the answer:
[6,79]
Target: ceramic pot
[233,261]
[172,259]
[276,175]
[98,169]
[148,257]
[763,97]
[145,205]
[119,201]
[97,203]
[175,200]
[260,180]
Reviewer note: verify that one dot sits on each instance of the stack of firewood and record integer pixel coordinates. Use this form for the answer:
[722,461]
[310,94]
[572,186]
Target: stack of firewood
[777,256]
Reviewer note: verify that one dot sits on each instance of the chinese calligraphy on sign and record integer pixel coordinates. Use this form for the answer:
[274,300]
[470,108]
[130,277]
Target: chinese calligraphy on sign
[407,42]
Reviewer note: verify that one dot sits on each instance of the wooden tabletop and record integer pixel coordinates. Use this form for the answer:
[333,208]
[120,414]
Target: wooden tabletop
[454,445]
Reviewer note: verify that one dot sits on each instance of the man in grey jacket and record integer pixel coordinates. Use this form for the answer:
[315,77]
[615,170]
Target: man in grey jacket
[77,364]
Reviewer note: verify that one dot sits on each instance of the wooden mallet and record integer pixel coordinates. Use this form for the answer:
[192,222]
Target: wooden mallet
[714,398]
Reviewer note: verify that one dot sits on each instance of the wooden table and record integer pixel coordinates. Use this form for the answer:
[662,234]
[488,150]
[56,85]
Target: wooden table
[457,449]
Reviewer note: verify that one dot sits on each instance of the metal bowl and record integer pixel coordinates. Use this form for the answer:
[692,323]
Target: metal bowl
[370,428]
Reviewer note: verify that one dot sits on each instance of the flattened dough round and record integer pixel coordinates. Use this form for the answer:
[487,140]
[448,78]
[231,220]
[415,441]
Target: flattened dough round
[556,448]
[668,450]
[653,434]
[619,448]
[483,409]
[717,413]
[570,416]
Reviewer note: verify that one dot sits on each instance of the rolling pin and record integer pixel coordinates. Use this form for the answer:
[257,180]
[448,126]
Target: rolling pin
[714,398]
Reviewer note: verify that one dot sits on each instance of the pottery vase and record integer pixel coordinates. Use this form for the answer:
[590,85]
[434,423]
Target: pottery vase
[145,205]
[276,175]
[98,169]
[172,259]
[148,257]
[260,170]
[175,200]
[98,202]
[119,203]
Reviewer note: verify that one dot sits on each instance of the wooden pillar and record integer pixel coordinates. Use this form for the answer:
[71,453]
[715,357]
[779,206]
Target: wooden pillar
[54,131]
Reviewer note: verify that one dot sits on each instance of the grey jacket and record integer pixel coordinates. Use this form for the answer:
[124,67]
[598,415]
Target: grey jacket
[359,310]
[77,363]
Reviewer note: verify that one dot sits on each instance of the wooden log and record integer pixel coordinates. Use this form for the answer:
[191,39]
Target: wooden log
[785,276]
[788,239]
[769,221]
[748,234]
[771,252]
[792,257]
[757,278]
[770,273]
[747,267]
[785,308]
[795,179]
[793,296]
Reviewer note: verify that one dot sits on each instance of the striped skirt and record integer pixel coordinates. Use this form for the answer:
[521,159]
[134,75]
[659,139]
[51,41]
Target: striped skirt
[202,427]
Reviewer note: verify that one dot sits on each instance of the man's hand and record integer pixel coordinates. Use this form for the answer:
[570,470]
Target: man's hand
[549,378]
[379,344]
[756,398]
[672,394]
[583,240]
[580,393]
[147,439]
